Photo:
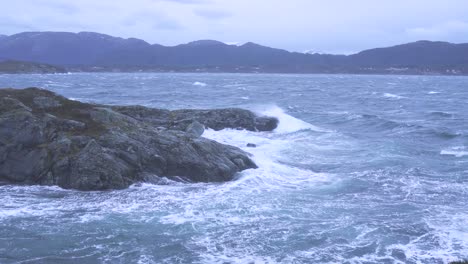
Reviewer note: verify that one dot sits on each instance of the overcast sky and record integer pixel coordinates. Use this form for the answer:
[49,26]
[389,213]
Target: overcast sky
[332,26]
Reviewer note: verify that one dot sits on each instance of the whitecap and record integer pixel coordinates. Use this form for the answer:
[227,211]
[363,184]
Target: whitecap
[458,151]
[449,230]
[90,217]
[288,123]
[269,155]
[394,96]
[199,84]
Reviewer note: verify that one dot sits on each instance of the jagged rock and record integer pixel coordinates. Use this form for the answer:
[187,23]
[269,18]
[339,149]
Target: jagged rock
[9,104]
[264,123]
[216,119]
[50,140]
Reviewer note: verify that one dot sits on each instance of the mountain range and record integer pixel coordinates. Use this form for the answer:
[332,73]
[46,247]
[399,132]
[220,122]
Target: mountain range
[89,51]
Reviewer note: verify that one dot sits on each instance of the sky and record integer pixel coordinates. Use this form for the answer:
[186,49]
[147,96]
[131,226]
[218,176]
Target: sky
[324,26]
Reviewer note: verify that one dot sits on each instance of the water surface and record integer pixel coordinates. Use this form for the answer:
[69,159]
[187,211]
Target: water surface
[362,169]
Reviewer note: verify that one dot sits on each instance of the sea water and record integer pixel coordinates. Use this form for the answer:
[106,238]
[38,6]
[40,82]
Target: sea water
[362,169]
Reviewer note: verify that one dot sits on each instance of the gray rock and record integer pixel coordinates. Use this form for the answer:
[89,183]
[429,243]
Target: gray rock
[43,102]
[49,140]
[201,159]
[264,123]
[195,129]
[251,145]
[23,165]
[11,104]
[72,124]
[216,119]
[94,168]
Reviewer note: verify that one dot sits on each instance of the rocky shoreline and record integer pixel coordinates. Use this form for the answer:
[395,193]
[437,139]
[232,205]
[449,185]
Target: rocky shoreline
[46,139]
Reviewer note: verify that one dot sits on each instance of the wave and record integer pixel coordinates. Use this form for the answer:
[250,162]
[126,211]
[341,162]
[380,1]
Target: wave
[440,114]
[447,230]
[272,151]
[445,134]
[200,84]
[268,155]
[393,96]
[378,122]
[458,151]
[288,123]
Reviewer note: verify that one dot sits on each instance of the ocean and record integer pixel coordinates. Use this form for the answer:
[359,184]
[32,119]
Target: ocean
[362,169]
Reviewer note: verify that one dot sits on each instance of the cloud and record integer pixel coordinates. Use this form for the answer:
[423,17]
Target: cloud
[186,1]
[214,14]
[14,25]
[157,20]
[62,7]
[439,31]
[297,25]
[167,24]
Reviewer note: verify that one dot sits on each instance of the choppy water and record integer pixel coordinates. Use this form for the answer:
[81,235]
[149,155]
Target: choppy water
[363,169]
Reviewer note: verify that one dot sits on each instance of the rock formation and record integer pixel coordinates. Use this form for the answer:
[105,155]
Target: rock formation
[47,139]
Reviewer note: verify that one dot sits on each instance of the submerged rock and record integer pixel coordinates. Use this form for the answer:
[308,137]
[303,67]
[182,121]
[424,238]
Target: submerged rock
[49,140]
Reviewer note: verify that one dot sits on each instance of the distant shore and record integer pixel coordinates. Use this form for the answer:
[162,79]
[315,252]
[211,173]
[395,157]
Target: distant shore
[16,67]
[20,67]
[48,52]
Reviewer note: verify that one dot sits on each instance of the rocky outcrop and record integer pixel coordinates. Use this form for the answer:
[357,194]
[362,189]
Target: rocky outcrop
[49,140]
[216,119]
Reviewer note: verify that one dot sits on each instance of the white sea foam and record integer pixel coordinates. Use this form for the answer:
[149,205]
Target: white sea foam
[274,149]
[199,84]
[215,258]
[272,173]
[85,218]
[394,96]
[235,85]
[458,151]
[287,123]
[433,92]
[451,233]
[146,259]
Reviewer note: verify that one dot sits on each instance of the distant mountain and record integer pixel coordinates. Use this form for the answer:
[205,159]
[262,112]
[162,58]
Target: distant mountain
[90,51]
[28,67]
[420,53]
[62,48]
